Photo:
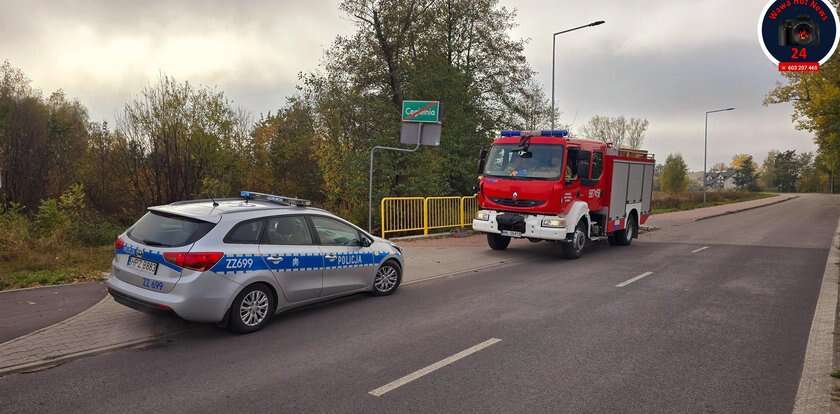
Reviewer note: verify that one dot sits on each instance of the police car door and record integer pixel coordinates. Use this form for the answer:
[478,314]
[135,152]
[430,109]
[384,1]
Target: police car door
[347,264]
[292,255]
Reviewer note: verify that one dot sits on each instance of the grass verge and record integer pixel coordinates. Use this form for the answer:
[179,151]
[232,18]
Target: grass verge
[68,264]
[666,203]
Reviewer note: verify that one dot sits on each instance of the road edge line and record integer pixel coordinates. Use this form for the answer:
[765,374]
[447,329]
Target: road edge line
[814,391]
[746,209]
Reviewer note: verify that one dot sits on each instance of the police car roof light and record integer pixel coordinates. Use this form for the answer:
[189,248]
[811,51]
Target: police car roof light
[289,201]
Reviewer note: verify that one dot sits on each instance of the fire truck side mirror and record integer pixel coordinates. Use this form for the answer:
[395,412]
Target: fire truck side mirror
[482,158]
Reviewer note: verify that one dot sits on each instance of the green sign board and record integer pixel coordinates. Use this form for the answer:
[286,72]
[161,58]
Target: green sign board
[421,111]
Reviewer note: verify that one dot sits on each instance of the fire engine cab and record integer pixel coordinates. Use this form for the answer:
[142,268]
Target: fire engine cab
[543,185]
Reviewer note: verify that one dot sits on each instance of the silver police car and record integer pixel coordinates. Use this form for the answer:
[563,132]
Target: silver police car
[240,261]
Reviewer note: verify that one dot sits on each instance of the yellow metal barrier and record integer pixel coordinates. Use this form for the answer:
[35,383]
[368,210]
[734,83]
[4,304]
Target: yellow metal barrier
[415,214]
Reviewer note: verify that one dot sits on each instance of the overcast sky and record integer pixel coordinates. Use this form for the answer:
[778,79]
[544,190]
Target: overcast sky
[668,62]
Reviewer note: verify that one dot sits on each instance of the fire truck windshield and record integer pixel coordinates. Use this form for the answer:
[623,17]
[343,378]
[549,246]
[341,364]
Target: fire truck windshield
[545,162]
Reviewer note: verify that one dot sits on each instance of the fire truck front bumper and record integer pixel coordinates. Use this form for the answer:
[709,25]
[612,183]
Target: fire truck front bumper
[517,225]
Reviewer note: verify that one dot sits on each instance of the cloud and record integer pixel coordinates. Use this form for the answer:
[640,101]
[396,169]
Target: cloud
[668,62]
[665,61]
[104,51]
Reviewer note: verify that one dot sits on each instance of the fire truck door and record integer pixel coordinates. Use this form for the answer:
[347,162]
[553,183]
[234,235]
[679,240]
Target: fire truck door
[573,189]
[592,185]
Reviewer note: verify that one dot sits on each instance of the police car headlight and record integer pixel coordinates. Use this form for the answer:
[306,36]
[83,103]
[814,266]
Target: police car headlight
[482,215]
[554,222]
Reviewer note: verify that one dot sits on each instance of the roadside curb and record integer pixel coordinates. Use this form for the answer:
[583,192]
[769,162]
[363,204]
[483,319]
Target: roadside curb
[747,208]
[55,361]
[815,385]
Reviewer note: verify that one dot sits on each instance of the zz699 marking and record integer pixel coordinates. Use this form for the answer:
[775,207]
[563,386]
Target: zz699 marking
[239,263]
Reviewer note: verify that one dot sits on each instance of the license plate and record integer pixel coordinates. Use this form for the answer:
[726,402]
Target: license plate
[511,233]
[143,265]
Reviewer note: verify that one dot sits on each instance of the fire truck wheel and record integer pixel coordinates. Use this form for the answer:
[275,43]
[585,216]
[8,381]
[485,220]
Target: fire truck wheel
[498,242]
[573,249]
[625,237]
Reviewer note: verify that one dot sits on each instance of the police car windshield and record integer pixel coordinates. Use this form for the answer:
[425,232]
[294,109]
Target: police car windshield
[545,162]
[166,230]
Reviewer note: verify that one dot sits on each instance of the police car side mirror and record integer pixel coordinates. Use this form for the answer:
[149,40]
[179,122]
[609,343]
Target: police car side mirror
[365,242]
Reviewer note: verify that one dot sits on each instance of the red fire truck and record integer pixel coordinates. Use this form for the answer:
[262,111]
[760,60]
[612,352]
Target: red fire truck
[543,185]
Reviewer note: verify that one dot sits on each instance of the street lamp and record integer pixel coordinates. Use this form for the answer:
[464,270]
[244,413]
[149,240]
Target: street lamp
[553,59]
[706,146]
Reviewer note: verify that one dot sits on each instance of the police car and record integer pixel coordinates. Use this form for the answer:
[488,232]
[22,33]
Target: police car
[239,261]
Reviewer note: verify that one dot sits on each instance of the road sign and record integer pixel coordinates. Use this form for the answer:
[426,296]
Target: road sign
[421,111]
[429,134]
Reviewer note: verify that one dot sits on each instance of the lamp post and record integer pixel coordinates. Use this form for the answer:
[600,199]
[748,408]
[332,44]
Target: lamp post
[706,146]
[553,59]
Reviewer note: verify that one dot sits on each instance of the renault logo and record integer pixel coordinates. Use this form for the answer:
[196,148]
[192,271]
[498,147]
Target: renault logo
[515,195]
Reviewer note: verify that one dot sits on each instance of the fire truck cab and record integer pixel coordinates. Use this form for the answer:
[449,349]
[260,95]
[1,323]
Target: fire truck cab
[543,185]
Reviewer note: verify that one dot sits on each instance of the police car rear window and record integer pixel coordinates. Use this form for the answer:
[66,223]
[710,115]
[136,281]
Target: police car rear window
[167,230]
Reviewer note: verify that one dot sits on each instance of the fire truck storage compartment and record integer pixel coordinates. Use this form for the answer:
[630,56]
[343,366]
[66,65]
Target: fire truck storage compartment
[631,183]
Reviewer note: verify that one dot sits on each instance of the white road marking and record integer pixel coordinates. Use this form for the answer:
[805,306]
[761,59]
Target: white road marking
[700,249]
[431,368]
[639,277]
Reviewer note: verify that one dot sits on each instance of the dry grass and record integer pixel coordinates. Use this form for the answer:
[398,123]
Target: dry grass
[50,265]
[663,202]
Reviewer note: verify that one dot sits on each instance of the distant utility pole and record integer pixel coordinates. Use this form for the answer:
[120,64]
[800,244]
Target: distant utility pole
[553,59]
[706,146]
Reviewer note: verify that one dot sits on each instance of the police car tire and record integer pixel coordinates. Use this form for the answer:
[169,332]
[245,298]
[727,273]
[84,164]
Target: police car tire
[396,266]
[235,322]
[497,241]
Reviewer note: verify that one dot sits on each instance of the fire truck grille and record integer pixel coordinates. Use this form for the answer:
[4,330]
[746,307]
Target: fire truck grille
[511,222]
[518,203]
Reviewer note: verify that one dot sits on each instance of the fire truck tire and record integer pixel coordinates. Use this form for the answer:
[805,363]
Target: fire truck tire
[573,249]
[498,242]
[625,237]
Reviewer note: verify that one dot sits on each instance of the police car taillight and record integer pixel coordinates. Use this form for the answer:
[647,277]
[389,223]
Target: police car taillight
[201,261]
[119,243]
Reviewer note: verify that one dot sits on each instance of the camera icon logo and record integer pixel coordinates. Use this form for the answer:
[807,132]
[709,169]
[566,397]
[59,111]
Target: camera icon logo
[801,31]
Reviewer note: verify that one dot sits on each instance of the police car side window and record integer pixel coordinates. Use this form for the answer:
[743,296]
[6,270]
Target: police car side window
[287,230]
[247,232]
[335,233]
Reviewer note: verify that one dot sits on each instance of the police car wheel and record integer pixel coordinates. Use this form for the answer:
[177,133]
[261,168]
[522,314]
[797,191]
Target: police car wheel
[387,279]
[252,309]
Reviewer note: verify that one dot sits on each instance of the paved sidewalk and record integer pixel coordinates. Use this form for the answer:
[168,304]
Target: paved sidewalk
[108,325]
[27,310]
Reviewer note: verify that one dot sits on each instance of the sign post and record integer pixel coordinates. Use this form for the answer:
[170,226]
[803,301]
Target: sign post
[420,126]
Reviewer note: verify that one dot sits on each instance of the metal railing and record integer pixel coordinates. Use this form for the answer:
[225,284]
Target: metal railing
[415,214]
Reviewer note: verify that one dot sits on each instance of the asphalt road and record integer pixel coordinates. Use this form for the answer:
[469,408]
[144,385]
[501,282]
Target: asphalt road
[27,310]
[715,330]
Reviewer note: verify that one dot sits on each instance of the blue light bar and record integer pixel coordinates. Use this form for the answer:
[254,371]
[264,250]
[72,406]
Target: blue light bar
[510,133]
[555,133]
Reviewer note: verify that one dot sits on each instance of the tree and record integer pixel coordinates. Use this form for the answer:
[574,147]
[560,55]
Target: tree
[781,170]
[455,51]
[619,131]
[175,136]
[745,172]
[674,175]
